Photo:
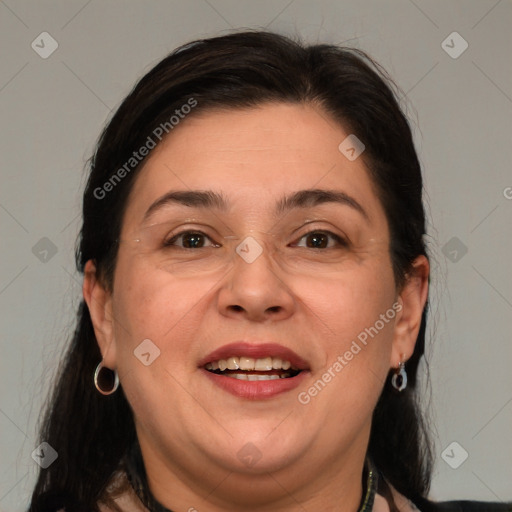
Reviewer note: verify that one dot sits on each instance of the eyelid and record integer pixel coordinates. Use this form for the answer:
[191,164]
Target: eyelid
[189,226]
[312,225]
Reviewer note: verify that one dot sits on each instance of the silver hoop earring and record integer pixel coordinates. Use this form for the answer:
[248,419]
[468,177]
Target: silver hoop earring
[114,377]
[399,379]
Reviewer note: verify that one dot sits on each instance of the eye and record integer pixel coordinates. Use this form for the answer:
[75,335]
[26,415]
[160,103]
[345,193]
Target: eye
[321,240]
[191,240]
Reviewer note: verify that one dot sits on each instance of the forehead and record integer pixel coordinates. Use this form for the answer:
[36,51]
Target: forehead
[254,157]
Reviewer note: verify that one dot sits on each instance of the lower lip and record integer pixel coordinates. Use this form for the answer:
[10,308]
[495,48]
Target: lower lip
[256,389]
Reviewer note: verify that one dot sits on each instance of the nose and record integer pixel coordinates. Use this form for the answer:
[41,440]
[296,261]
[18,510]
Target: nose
[256,291]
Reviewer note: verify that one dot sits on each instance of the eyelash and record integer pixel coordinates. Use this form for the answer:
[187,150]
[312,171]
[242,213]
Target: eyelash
[339,240]
[171,242]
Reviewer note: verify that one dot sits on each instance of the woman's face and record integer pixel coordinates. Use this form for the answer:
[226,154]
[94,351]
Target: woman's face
[285,260]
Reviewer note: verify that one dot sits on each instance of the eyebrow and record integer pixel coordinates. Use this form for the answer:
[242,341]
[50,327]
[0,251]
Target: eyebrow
[300,199]
[191,198]
[314,197]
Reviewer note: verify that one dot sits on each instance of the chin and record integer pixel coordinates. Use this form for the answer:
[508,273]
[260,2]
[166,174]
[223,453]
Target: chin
[255,451]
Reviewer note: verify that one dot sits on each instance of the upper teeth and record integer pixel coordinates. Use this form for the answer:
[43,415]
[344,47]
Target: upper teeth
[249,363]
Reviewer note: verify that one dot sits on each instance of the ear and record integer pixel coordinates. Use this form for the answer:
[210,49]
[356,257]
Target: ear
[412,299]
[99,302]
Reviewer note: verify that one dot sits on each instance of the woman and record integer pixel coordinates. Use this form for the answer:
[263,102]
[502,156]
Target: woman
[255,294]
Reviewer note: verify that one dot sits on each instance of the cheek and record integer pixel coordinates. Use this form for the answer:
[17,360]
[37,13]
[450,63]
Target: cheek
[151,303]
[356,345]
[349,302]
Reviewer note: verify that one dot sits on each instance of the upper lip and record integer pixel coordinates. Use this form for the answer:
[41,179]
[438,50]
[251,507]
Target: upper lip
[256,351]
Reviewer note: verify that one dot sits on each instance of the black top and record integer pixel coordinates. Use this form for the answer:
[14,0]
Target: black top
[464,506]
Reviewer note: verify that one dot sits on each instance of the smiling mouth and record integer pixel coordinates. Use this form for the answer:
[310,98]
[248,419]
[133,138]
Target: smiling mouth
[252,369]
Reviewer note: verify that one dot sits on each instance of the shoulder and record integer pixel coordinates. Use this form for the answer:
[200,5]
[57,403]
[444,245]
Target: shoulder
[424,505]
[464,506]
[127,502]
[119,496]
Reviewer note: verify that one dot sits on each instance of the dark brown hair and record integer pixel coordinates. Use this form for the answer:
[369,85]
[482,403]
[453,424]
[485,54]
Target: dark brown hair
[91,432]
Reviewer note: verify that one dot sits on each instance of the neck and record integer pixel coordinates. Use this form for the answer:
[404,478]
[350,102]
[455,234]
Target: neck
[329,485]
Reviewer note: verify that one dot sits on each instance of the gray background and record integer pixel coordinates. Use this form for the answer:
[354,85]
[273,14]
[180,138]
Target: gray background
[52,110]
